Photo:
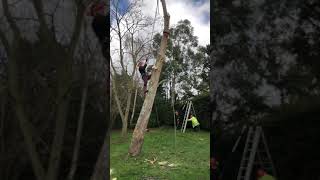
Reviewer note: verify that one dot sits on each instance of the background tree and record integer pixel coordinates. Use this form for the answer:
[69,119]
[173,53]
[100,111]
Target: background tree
[260,65]
[129,24]
[185,72]
[40,52]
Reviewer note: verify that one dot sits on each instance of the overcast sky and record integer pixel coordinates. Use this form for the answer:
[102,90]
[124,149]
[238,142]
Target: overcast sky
[197,11]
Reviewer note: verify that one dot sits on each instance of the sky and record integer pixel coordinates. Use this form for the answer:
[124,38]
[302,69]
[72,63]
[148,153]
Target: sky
[197,11]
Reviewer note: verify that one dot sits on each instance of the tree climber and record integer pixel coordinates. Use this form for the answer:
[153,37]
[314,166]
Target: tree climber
[195,122]
[145,75]
[100,20]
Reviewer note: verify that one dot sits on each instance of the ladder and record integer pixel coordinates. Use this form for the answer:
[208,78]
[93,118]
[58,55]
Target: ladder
[255,152]
[186,115]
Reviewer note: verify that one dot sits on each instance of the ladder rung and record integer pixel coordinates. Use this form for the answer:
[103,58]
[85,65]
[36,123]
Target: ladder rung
[252,147]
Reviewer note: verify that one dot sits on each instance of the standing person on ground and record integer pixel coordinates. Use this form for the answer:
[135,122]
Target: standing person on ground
[263,175]
[195,122]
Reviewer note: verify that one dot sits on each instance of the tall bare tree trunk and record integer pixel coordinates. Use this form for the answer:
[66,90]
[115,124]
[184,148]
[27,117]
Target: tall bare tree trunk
[2,132]
[138,134]
[101,170]
[76,148]
[126,115]
[64,85]
[134,106]
[21,115]
[173,89]
[118,103]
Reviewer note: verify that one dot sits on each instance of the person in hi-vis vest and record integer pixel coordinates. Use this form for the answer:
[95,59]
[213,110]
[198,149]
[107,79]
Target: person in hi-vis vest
[195,122]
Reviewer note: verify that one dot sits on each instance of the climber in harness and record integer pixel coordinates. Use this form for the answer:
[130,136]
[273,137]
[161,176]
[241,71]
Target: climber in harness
[100,20]
[195,122]
[145,73]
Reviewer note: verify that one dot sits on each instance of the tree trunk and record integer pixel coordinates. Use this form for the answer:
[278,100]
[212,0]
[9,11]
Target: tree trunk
[101,170]
[14,90]
[74,161]
[126,115]
[116,97]
[124,128]
[134,106]
[138,134]
[2,130]
[64,85]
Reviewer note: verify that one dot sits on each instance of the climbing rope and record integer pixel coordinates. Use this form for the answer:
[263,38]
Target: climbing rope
[175,132]
[154,22]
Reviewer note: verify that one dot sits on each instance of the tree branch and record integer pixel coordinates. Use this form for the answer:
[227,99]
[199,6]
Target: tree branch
[10,20]
[38,6]
[5,42]
[77,27]
[44,30]
[23,121]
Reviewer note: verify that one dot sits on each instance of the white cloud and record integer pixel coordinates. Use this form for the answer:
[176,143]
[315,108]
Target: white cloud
[185,9]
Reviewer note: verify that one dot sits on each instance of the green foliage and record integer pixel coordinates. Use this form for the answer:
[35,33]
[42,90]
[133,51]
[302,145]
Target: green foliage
[252,54]
[164,111]
[187,65]
[275,43]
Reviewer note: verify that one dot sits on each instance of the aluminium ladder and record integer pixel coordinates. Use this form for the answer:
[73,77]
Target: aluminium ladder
[186,115]
[255,152]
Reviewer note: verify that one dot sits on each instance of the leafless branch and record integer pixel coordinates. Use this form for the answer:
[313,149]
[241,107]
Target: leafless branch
[10,20]
[25,19]
[4,41]
[53,29]
[15,3]
[78,25]
[38,5]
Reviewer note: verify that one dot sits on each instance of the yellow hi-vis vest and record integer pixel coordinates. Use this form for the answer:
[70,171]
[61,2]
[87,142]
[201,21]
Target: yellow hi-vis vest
[194,121]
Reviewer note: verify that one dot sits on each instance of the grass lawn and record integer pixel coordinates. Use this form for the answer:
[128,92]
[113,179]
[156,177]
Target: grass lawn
[188,161]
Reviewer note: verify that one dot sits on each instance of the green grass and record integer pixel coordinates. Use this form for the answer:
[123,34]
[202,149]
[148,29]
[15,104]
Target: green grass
[191,156]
